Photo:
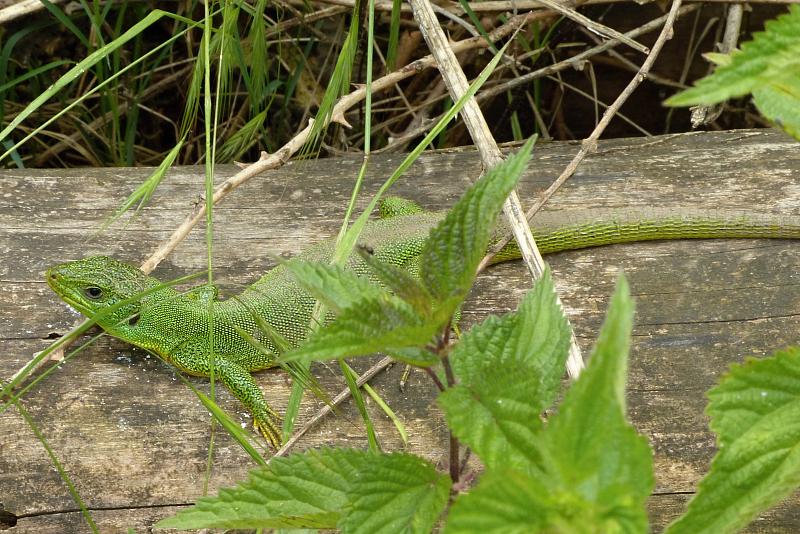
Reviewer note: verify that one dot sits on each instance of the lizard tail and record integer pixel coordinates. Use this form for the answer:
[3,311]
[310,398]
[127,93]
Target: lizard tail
[572,230]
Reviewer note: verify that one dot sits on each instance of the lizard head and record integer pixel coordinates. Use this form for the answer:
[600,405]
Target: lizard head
[95,284]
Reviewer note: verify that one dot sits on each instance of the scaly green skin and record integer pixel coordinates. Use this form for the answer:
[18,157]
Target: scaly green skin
[175,325]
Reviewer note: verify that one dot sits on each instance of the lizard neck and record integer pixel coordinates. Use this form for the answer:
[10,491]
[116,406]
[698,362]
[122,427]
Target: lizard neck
[166,319]
[172,322]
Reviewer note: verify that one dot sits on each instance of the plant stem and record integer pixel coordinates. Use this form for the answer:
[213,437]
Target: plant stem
[448,372]
[455,468]
[441,349]
[435,378]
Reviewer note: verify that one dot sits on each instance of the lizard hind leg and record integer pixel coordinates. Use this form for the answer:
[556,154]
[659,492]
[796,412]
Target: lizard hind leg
[398,206]
[239,381]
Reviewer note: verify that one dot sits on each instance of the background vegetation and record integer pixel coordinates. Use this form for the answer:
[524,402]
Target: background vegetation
[276,60]
[133,97]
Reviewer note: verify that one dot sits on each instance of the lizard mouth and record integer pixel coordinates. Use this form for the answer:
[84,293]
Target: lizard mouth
[65,293]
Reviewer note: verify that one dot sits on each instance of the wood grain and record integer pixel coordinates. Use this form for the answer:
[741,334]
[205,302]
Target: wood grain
[134,439]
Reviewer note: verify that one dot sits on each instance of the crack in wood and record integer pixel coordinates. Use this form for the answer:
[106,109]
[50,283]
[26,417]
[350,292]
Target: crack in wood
[46,513]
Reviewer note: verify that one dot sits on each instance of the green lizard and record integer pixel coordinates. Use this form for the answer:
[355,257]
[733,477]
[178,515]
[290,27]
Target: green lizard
[174,325]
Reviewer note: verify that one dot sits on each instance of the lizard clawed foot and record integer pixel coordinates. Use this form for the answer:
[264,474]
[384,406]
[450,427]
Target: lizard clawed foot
[270,429]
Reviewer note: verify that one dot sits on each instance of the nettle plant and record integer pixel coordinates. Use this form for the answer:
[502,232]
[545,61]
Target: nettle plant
[585,469]
[767,67]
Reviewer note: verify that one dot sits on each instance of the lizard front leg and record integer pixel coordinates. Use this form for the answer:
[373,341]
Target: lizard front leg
[239,381]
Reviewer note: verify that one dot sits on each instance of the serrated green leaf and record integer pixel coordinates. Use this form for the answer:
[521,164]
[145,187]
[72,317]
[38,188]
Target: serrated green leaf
[770,55]
[752,390]
[509,371]
[609,360]
[400,281]
[396,493]
[307,490]
[755,411]
[382,323]
[595,472]
[779,101]
[357,491]
[504,502]
[536,336]
[456,246]
[595,455]
[512,502]
[491,420]
[337,287]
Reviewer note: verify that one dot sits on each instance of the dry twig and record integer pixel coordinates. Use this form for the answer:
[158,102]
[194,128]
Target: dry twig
[517,6]
[337,400]
[593,26]
[23,9]
[589,144]
[572,62]
[701,115]
[457,85]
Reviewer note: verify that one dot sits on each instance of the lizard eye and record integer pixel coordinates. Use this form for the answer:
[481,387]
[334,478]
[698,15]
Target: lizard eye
[93,292]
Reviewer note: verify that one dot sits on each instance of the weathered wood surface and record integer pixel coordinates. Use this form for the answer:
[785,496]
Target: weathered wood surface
[134,439]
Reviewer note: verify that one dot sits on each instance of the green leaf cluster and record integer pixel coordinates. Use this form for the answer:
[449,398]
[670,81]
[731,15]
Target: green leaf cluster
[356,491]
[405,316]
[768,67]
[587,470]
[583,470]
[500,377]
